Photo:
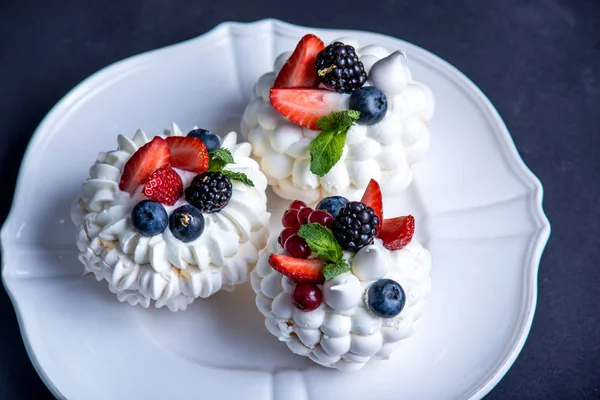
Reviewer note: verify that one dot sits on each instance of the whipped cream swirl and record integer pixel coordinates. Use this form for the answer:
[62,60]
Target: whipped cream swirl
[384,151]
[341,333]
[162,268]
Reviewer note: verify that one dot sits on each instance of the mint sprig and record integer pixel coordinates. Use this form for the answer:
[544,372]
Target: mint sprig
[326,149]
[217,161]
[321,241]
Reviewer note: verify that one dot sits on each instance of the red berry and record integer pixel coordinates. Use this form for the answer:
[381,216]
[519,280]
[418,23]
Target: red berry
[303,215]
[307,296]
[373,199]
[285,234]
[164,186]
[299,70]
[322,218]
[296,247]
[188,153]
[297,205]
[290,219]
[147,159]
[305,106]
[397,232]
[310,270]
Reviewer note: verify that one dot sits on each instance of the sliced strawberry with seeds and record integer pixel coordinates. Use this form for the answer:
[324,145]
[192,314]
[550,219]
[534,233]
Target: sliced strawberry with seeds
[299,70]
[188,153]
[300,270]
[164,186]
[147,159]
[305,106]
[397,232]
[373,199]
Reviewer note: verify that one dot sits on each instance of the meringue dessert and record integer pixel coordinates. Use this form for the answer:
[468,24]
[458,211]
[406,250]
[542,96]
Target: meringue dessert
[341,284]
[173,217]
[327,120]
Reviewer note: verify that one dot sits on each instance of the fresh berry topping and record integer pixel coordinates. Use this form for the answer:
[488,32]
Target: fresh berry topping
[322,218]
[188,153]
[307,296]
[149,218]
[164,186]
[186,223]
[332,204]
[290,219]
[355,226]
[385,298]
[310,270]
[303,215]
[210,140]
[285,234]
[339,68]
[147,159]
[299,70]
[297,205]
[370,102]
[305,106]
[397,232]
[372,198]
[296,247]
[210,192]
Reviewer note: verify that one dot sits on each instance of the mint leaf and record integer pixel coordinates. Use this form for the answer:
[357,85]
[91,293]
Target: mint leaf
[238,176]
[218,159]
[321,241]
[326,149]
[330,271]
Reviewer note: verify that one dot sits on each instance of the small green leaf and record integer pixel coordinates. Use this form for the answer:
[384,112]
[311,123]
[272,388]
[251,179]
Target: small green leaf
[238,176]
[330,271]
[338,120]
[321,241]
[218,159]
[325,151]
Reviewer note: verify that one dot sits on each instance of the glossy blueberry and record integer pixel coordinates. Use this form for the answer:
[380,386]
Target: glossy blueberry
[332,204]
[149,218]
[186,223]
[210,140]
[386,298]
[371,102]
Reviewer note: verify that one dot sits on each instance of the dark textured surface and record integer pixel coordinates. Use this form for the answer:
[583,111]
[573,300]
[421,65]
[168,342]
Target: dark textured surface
[538,61]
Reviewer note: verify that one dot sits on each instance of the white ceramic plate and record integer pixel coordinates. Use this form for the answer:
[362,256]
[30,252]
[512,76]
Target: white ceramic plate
[477,205]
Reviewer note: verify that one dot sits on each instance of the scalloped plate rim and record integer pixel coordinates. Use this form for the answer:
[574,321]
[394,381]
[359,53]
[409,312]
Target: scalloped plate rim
[108,73]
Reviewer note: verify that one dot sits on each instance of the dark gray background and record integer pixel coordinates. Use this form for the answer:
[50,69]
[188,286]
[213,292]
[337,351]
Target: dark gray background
[538,61]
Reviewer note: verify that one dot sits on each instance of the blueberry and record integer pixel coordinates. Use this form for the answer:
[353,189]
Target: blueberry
[186,223]
[371,102]
[332,204]
[211,141]
[149,218]
[386,298]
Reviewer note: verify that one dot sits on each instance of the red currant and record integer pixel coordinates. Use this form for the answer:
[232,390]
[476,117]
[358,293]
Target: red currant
[290,219]
[321,217]
[303,215]
[296,247]
[285,234]
[297,205]
[307,296]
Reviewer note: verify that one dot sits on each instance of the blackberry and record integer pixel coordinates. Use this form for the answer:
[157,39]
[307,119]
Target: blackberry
[340,69]
[355,225]
[209,192]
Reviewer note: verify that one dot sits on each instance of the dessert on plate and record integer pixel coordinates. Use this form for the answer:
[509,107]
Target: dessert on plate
[172,217]
[341,284]
[329,119]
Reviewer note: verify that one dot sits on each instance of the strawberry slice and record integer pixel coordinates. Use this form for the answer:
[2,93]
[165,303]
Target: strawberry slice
[298,269]
[373,199]
[147,159]
[305,106]
[188,153]
[164,186]
[299,70]
[397,232]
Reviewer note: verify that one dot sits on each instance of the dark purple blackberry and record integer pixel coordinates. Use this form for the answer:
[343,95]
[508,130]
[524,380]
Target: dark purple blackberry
[354,227]
[340,69]
[209,192]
